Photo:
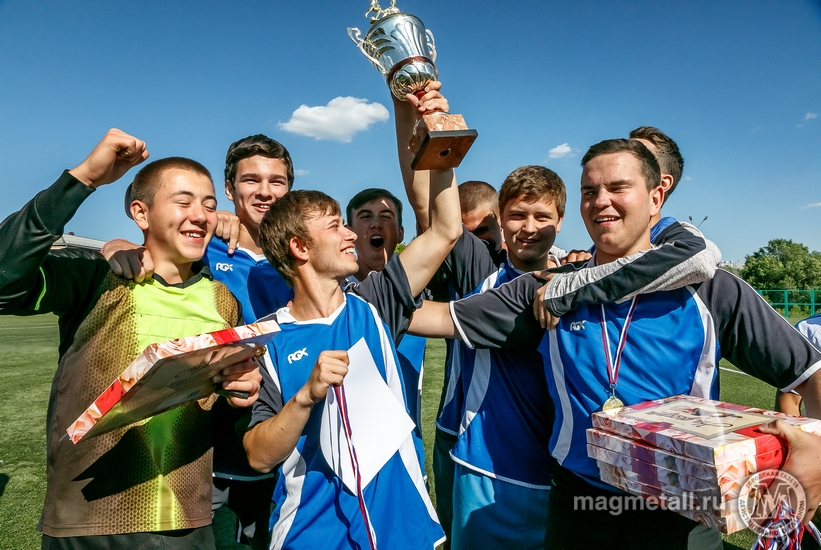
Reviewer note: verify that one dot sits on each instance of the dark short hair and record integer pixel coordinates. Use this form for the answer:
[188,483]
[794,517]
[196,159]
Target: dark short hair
[148,179]
[257,145]
[647,161]
[533,183]
[371,194]
[474,194]
[667,153]
[285,220]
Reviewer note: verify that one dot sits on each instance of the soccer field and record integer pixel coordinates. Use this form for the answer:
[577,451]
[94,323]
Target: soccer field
[27,364]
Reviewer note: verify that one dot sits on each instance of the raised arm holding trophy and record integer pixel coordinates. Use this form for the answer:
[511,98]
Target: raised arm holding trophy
[403,50]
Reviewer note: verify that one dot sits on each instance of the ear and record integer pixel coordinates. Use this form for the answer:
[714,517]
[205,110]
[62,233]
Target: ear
[666,183]
[298,249]
[229,190]
[139,212]
[401,233]
[656,199]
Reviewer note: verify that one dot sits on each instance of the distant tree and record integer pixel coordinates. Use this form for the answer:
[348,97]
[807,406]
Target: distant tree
[783,264]
[399,248]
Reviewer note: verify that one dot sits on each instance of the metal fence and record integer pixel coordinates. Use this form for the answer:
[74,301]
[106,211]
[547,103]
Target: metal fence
[794,303]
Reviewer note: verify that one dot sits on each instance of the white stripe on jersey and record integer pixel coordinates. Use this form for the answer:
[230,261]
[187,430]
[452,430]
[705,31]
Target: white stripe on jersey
[408,450]
[566,430]
[459,327]
[500,478]
[294,471]
[477,389]
[706,369]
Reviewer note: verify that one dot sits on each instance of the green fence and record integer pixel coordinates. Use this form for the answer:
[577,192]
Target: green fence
[793,303]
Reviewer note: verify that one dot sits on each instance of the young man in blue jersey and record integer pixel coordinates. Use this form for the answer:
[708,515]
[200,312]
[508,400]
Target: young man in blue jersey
[305,237]
[499,501]
[258,171]
[375,215]
[675,340]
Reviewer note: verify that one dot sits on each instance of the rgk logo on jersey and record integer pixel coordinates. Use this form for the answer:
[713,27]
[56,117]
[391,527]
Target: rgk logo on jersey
[577,325]
[224,267]
[297,355]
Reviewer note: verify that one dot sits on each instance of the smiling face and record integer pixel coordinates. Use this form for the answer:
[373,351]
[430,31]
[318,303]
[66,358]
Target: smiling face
[616,205]
[530,229]
[377,229]
[259,181]
[181,219]
[331,252]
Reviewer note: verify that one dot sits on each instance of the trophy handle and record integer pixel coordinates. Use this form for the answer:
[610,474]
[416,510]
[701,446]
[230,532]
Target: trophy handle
[356,36]
[431,45]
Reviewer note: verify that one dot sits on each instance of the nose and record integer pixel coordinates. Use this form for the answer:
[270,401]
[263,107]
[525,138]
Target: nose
[349,235]
[197,214]
[530,225]
[602,199]
[265,190]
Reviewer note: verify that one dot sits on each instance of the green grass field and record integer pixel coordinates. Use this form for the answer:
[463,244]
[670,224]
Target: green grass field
[28,360]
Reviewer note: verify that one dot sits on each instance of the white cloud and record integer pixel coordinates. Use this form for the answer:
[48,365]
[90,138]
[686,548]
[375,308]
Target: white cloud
[299,172]
[811,116]
[688,178]
[339,120]
[560,151]
[812,205]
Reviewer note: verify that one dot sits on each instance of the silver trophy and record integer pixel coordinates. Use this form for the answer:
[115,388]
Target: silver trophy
[404,51]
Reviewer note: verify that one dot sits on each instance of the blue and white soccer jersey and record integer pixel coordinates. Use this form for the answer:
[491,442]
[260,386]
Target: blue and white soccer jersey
[673,346]
[256,283]
[411,354]
[506,419]
[314,510]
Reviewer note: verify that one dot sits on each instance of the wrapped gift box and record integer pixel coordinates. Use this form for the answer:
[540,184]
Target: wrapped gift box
[690,455]
[724,517]
[712,432]
[669,480]
[641,457]
[169,374]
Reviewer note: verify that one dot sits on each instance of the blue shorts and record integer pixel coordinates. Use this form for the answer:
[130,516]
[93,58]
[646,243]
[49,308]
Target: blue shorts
[495,515]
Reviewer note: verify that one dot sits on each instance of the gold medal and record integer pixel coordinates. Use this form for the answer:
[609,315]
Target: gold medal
[612,403]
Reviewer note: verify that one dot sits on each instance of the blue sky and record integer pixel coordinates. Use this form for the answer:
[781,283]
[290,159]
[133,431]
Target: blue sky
[736,83]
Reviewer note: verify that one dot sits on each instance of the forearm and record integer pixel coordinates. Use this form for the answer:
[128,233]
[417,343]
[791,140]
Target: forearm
[688,259]
[433,320]
[417,184]
[810,392]
[27,236]
[269,443]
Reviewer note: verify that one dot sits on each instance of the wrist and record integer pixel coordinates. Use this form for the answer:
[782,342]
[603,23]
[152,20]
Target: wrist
[302,399]
[82,177]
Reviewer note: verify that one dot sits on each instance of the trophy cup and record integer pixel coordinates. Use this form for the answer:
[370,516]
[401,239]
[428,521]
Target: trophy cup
[403,50]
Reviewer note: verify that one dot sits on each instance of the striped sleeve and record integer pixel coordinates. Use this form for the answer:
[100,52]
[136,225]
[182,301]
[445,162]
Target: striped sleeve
[680,257]
[756,338]
[501,317]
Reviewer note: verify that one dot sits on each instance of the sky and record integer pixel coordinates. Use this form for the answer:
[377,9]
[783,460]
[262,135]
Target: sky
[736,83]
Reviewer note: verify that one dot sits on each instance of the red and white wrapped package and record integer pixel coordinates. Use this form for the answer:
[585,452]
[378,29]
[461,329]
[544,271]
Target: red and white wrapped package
[169,374]
[709,431]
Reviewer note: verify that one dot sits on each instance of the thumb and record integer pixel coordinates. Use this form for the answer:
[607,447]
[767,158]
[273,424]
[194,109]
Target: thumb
[778,428]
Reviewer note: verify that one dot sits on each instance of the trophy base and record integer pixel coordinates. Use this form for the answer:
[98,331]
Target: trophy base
[440,141]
